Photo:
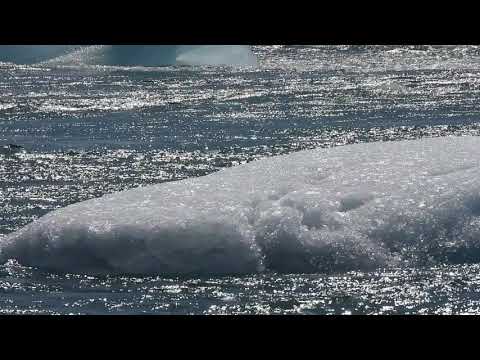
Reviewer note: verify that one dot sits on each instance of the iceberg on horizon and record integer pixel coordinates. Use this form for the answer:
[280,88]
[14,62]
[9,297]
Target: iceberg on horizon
[129,55]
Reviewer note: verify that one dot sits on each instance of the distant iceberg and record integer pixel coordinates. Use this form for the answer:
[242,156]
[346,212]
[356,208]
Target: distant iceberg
[359,206]
[32,54]
[129,55]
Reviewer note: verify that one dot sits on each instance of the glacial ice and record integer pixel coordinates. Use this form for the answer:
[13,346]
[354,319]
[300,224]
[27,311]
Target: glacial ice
[129,55]
[361,206]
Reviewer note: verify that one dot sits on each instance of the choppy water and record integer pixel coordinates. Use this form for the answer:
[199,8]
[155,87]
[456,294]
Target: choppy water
[91,130]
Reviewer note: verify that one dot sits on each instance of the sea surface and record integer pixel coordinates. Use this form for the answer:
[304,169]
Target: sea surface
[90,130]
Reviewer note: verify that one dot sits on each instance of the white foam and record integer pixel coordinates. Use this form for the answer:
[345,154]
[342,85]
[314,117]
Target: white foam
[352,207]
[7,106]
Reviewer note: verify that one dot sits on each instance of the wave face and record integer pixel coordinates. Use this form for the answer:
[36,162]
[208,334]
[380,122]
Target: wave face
[360,206]
[129,55]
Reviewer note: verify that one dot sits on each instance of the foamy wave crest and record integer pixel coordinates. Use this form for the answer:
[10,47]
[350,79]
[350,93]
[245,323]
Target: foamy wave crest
[129,55]
[354,207]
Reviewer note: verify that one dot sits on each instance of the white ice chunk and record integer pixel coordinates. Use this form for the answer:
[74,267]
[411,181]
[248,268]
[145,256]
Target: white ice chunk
[352,207]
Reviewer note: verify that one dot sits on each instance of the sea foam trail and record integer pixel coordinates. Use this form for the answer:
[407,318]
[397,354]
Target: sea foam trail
[129,55]
[354,207]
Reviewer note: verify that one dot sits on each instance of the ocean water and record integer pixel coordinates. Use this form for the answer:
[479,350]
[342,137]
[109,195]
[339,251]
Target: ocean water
[90,124]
